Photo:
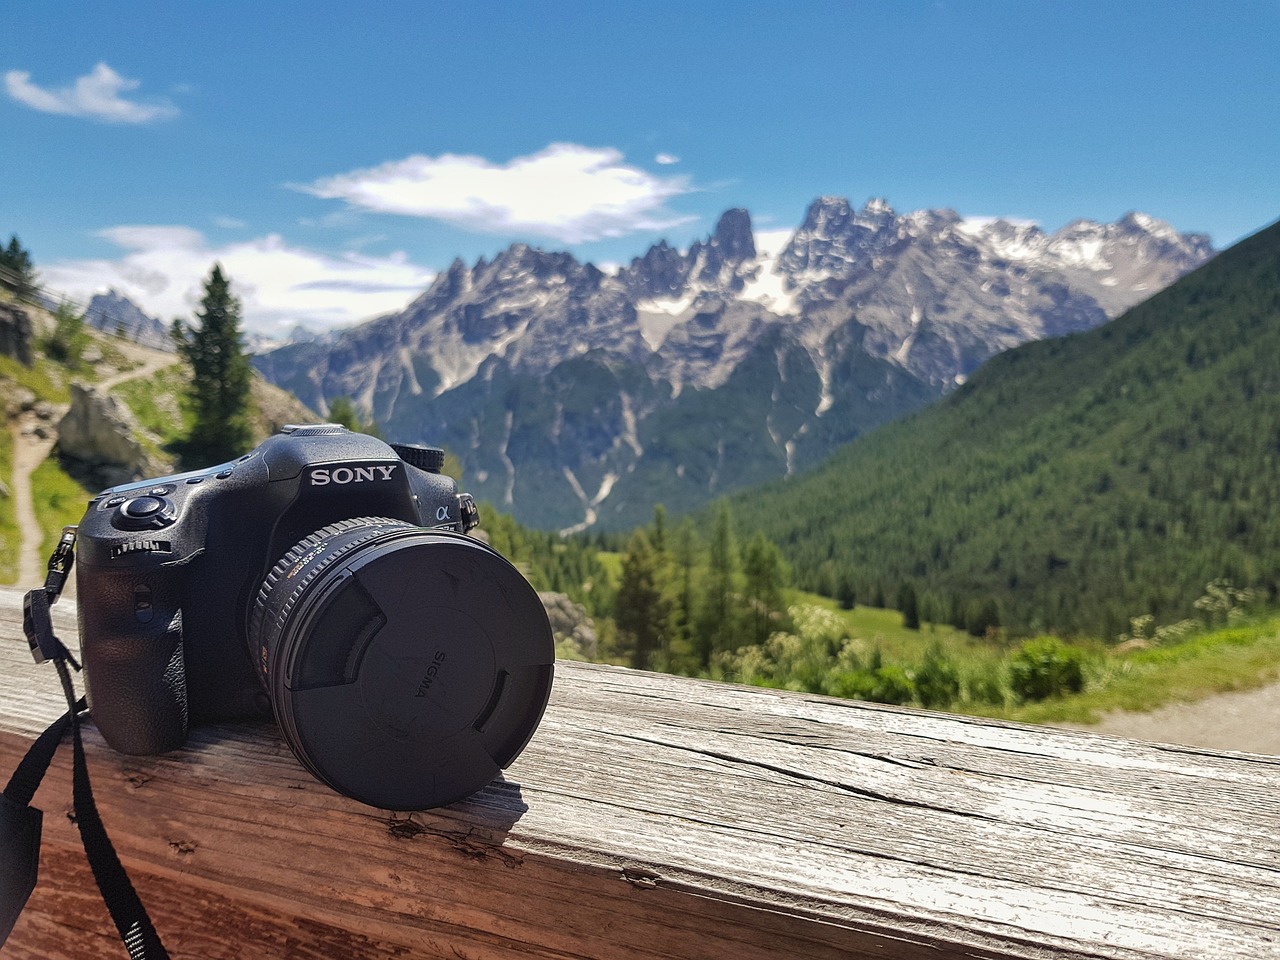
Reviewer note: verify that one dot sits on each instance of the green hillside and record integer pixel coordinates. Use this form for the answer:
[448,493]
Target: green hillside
[1078,482]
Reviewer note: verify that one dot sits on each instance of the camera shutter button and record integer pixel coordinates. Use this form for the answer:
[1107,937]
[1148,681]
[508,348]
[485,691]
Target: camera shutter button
[140,507]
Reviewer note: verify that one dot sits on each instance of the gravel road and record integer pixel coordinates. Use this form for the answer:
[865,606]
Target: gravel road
[1248,721]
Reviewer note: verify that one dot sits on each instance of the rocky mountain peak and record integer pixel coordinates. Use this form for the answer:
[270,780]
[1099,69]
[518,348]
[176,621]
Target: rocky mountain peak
[716,264]
[834,239]
[113,312]
[733,237]
[572,397]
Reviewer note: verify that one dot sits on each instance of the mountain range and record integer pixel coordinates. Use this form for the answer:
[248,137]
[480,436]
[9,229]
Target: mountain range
[1078,482]
[574,396]
[113,312]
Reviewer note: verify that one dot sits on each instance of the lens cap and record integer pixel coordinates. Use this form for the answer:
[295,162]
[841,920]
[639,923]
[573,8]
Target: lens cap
[411,667]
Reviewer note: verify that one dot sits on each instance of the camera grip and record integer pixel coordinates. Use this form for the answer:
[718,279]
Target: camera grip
[131,645]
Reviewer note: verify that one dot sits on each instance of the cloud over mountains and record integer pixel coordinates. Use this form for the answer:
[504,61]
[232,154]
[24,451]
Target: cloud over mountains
[566,192]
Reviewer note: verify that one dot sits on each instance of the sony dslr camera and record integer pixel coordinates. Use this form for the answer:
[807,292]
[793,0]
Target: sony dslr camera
[327,578]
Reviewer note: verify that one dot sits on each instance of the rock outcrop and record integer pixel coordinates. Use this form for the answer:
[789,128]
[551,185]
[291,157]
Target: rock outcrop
[100,441]
[16,334]
[570,626]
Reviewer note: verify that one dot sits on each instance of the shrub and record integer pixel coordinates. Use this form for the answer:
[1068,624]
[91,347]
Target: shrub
[1046,667]
[937,681]
[885,684]
[67,341]
[986,686]
[891,684]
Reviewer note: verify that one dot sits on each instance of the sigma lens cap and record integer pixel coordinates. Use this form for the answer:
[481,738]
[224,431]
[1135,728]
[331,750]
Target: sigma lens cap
[420,667]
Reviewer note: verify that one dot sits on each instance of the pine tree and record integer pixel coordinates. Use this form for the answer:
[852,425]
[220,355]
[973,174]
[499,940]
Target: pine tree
[909,604]
[764,576]
[20,273]
[717,624]
[685,559]
[342,410]
[220,374]
[641,608]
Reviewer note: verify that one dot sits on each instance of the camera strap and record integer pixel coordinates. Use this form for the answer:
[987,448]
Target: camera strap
[20,823]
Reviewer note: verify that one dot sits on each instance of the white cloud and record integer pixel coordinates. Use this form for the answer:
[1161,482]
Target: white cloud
[95,96]
[666,159]
[567,192]
[163,269]
[229,223]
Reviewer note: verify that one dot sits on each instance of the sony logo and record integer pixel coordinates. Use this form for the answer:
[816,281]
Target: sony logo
[323,476]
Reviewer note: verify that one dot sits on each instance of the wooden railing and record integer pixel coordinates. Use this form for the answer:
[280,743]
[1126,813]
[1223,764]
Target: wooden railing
[660,817]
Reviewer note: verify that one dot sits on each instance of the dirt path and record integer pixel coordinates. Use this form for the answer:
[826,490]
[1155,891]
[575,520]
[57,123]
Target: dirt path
[1248,721]
[30,450]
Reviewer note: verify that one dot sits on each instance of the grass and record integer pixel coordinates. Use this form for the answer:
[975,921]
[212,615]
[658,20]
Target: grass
[1243,656]
[58,500]
[1240,657]
[156,403]
[47,380]
[897,643]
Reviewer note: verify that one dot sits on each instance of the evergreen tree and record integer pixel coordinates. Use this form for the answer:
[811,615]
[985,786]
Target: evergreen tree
[220,374]
[683,602]
[19,272]
[910,606]
[641,609]
[846,595]
[764,576]
[67,341]
[659,539]
[718,621]
[343,411]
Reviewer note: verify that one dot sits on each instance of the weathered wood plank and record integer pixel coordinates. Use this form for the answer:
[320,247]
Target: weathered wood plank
[658,817]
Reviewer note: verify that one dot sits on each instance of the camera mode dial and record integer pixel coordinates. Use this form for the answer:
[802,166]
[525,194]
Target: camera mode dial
[147,512]
[423,457]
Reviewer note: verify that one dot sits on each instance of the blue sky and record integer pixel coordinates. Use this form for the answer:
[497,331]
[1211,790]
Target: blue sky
[334,156]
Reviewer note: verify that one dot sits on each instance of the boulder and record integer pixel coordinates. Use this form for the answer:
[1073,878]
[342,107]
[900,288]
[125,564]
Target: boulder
[570,626]
[16,335]
[100,440]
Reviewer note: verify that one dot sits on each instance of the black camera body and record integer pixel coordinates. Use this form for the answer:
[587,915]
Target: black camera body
[325,577]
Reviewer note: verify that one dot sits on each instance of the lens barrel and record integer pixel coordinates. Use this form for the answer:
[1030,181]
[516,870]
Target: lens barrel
[405,665]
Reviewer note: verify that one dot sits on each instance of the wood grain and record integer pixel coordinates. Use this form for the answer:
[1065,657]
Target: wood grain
[660,817]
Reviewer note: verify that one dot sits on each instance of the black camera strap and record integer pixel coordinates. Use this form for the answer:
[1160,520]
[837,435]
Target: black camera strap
[20,823]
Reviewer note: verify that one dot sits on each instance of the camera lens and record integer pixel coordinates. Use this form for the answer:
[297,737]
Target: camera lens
[405,666]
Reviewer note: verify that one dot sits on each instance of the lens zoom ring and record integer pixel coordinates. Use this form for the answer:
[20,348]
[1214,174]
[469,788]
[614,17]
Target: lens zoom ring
[372,527]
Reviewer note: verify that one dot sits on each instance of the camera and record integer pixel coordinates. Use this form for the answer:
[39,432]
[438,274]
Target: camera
[327,578]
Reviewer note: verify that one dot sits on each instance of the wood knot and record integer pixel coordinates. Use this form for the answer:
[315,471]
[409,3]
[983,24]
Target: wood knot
[641,879]
[183,848]
[136,781]
[404,829]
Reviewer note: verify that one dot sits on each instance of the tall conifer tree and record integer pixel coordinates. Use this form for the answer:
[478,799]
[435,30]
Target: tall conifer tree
[642,609]
[717,624]
[220,374]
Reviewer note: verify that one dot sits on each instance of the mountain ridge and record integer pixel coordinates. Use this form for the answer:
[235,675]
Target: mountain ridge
[574,396]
